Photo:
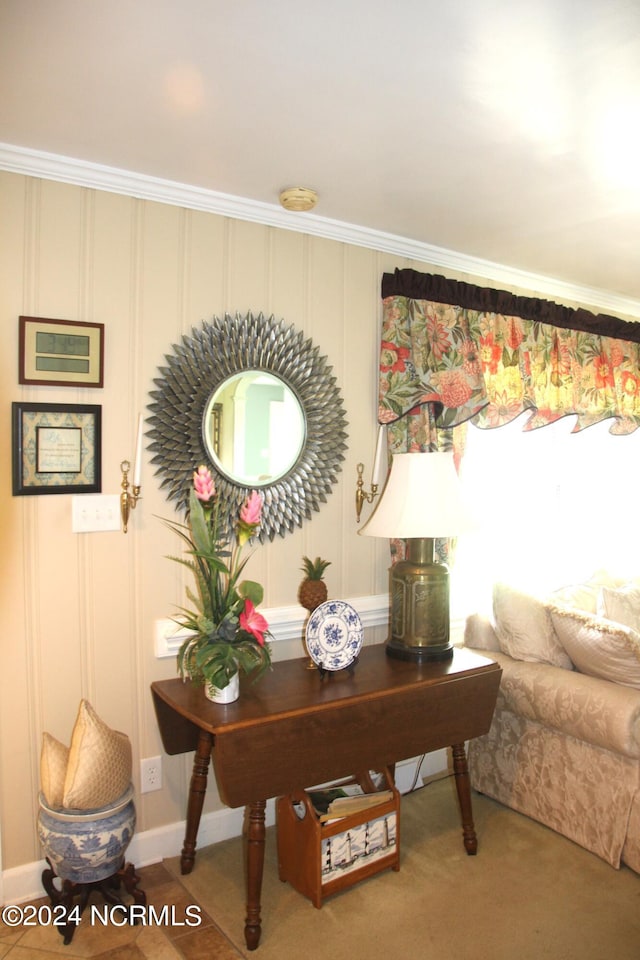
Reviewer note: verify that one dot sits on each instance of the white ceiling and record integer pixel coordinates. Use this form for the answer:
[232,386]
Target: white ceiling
[504,130]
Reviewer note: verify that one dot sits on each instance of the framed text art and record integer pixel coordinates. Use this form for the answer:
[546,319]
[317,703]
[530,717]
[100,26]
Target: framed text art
[63,353]
[56,448]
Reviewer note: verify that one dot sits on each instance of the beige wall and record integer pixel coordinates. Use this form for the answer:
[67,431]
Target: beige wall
[78,610]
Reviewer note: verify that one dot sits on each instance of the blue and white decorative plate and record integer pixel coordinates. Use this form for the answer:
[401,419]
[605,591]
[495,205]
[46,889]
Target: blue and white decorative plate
[334,635]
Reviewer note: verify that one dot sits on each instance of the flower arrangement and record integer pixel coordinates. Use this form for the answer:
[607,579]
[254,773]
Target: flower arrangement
[229,634]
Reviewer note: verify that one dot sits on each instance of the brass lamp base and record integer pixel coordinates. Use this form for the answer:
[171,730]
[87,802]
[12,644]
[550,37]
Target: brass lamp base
[419,606]
[418,654]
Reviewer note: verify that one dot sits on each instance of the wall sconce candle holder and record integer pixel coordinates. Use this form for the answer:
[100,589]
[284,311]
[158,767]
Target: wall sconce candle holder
[128,499]
[361,494]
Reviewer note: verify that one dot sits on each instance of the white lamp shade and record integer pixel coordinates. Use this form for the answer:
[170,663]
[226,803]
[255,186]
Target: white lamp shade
[422,498]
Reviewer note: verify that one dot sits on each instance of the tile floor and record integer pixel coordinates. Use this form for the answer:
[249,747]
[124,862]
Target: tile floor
[114,942]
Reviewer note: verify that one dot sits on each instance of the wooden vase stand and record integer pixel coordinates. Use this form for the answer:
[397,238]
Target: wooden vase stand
[72,894]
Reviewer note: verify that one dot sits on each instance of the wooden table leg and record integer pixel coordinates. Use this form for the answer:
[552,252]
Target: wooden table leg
[197,792]
[463,786]
[254,833]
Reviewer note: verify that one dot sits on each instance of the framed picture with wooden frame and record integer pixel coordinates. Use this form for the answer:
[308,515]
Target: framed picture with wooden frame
[56,448]
[63,353]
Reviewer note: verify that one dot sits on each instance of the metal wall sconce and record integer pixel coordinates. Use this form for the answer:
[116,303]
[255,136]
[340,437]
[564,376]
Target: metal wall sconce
[363,495]
[129,499]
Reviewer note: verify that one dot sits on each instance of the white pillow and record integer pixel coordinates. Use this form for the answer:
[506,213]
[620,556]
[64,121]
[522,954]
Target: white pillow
[580,596]
[587,595]
[524,628]
[599,647]
[622,605]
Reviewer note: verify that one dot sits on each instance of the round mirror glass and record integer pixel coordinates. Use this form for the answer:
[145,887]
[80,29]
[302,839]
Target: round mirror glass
[254,428]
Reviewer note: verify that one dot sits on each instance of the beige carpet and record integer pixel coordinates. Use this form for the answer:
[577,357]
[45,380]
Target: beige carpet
[528,894]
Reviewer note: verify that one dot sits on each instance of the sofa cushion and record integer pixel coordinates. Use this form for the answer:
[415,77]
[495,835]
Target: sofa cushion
[622,604]
[599,647]
[54,757]
[606,715]
[524,628]
[99,767]
[480,633]
[583,792]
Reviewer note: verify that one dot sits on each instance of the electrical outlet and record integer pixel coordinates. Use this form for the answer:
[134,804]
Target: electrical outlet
[150,774]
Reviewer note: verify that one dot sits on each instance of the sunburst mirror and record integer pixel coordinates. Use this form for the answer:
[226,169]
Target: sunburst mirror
[255,401]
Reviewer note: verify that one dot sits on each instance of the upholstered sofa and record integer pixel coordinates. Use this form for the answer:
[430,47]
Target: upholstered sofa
[564,744]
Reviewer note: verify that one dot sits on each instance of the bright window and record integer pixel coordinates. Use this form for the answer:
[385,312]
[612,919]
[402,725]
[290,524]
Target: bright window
[552,507]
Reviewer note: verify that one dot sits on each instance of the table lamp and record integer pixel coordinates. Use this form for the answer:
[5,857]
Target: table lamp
[422,500]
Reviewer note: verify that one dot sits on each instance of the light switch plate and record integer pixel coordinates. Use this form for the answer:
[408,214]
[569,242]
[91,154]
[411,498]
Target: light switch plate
[95,512]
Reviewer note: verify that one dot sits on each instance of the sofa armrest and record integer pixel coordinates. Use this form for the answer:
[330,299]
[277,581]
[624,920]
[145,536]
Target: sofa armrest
[597,711]
[479,633]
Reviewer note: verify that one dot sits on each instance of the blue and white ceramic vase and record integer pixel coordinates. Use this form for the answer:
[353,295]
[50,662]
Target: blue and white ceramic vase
[86,846]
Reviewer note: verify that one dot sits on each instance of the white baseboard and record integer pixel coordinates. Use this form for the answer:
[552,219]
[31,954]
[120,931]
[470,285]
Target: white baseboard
[151,846]
[23,883]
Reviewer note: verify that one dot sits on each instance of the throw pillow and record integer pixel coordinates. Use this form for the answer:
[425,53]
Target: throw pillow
[580,596]
[585,596]
[622,605]
[54,757]
[524,628]
[599,647]
[99,767]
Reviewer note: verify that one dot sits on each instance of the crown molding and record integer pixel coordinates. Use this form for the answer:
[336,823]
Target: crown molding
[50,166]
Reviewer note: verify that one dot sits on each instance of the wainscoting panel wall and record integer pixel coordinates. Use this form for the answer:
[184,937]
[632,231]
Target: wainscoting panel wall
[79,610]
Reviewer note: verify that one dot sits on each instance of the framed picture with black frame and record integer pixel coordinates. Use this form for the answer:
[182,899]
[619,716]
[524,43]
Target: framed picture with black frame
[56,448]
[63,353]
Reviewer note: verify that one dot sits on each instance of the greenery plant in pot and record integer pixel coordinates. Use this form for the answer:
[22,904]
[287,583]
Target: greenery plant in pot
[228,635]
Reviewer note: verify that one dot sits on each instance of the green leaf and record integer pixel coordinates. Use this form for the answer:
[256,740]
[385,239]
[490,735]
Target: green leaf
[200,531]
[510,358]
[213,561]
[250,590]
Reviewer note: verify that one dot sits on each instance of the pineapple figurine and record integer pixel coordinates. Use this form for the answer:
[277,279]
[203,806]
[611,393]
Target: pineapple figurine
[313,590]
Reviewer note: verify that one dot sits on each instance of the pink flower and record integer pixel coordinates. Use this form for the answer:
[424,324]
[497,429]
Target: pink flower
[249,518]
[455,388]
[203,484]
[253,622]
[251,511]
[438,336]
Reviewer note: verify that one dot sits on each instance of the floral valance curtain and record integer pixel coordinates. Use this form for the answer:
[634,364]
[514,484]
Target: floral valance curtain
[453,352]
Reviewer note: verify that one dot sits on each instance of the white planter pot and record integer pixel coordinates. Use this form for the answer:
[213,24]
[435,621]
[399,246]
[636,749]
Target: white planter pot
[224,694]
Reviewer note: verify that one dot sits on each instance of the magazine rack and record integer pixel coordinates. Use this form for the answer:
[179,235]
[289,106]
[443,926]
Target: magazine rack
[321,858]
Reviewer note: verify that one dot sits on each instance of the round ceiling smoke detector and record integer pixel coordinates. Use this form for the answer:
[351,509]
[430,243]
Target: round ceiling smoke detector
[298,198]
